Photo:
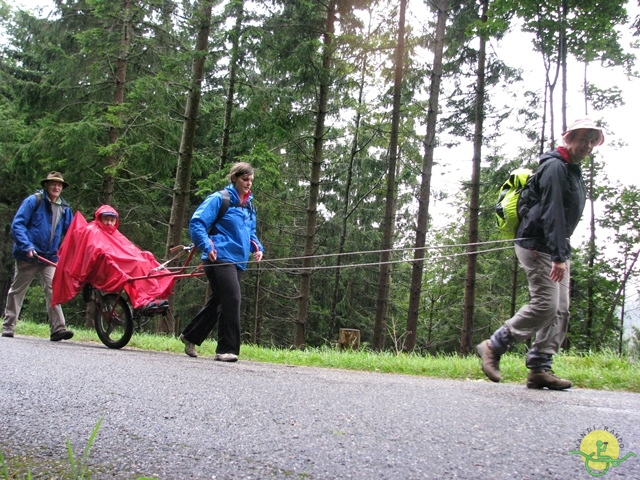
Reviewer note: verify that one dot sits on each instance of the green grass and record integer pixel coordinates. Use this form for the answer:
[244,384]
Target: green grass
[601,370]
[22,465]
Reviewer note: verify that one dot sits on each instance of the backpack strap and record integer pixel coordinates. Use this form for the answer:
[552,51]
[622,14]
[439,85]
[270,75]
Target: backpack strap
[226,202]
[39,196]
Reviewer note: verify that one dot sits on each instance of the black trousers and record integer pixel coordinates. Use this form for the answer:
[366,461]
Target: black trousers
[222,308]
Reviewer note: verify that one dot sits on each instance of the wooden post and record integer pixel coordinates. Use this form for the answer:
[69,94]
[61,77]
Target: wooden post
[349,338]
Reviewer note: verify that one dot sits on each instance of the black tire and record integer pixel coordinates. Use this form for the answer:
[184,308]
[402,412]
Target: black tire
[114,326]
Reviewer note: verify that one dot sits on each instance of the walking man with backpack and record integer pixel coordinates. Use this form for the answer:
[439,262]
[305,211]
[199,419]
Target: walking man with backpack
[37,229]
[550,208]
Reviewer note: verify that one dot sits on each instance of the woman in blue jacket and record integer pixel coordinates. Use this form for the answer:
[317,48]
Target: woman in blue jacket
[226,242]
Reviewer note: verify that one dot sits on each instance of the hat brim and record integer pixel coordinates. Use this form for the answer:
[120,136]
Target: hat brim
[64,184]
[600,142]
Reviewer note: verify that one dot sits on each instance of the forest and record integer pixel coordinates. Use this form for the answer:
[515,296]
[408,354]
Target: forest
[346,108]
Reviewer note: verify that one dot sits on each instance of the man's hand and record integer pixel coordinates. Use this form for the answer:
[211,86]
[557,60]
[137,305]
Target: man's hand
[257,255]
[557,271]
[31,253]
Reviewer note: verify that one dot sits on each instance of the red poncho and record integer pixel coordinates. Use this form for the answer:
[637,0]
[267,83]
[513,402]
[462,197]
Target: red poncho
[100,255]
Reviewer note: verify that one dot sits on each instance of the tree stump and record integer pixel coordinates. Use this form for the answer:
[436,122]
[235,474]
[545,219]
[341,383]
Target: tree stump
[349,338]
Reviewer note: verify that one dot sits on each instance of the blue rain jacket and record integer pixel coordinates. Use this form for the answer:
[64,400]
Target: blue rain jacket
[31,228]
[234,235]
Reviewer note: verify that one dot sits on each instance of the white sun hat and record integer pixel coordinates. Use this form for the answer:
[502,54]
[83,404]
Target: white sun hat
[588,124]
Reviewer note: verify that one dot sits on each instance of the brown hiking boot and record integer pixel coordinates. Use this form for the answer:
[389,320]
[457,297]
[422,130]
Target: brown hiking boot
[490,360]
[546,378]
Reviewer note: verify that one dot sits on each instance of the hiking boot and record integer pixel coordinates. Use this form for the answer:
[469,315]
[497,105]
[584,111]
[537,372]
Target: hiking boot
[226,357]
[490,360]
[7,333]
[61,335]
[546,378]
[189,348]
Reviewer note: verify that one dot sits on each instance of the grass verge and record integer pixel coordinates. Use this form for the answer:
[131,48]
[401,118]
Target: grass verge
[597,370]
[25,466]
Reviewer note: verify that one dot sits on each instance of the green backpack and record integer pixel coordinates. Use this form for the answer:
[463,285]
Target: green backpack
[507,206]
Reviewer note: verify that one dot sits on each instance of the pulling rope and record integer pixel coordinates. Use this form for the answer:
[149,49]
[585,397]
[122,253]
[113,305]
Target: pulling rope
[391,262]
[362,252]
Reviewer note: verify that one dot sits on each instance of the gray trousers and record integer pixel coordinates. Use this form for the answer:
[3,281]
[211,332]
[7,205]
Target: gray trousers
[24,274]
[546,316]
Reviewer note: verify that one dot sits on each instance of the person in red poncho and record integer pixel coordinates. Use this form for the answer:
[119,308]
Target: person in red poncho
[97,253]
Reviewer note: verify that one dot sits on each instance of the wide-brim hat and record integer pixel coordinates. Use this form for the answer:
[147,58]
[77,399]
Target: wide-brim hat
[587,124]
[54,177]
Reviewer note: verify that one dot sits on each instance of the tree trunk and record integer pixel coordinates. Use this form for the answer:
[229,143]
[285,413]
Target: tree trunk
[314,181]
[106,197]
[608,322]
[563,61]
[335,322]
[185,157]
[474,198]
[382,302]
[591,252]
[425,184]
[549,83]
[182,183]
[235,55]
[624,301]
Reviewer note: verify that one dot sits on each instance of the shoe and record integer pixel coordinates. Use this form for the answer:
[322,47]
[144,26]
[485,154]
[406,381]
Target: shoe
[226,357]
[490,360]
[7,334]
[189,348]
[61,335]
[546,378]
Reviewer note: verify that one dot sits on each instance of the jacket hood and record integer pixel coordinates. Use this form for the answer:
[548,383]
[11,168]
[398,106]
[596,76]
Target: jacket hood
[560,153]
[235,197]
[110,210]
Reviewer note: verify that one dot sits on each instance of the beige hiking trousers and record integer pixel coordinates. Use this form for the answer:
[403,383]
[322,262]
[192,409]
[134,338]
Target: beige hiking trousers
[25,272]
[547,314]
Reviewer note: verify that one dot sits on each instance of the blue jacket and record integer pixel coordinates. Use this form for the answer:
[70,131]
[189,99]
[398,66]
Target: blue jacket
[31,228]
[551,206]
[234,235]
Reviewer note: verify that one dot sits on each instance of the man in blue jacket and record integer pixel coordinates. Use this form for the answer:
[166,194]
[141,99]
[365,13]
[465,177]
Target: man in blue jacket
[37,230]
[550,208]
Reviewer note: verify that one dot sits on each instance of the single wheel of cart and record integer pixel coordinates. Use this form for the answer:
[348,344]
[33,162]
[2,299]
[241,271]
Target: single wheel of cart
[113,319]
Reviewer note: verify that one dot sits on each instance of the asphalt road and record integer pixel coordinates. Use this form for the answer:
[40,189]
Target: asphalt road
[169,416]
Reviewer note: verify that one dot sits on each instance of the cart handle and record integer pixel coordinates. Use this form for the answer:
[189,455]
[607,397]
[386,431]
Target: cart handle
[46,260]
